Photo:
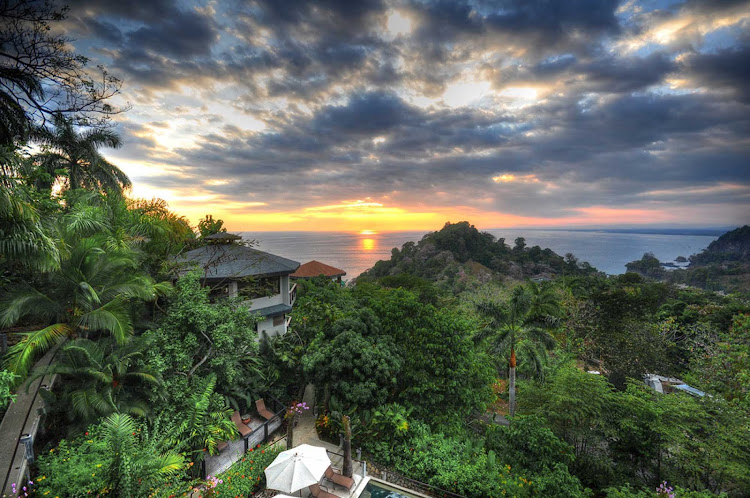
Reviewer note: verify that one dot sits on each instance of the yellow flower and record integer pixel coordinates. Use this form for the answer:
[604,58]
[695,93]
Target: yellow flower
[98,465]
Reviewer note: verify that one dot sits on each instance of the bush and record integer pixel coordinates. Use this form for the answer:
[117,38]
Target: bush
[246,476]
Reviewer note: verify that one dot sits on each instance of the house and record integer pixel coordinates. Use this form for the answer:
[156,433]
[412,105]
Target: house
[237,271]
[313,269]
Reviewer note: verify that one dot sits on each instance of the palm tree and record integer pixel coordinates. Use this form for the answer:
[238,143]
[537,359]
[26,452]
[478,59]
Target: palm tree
[101,378]
[89,295]
[524,323]
[137,463]
[78,155]
[22,236]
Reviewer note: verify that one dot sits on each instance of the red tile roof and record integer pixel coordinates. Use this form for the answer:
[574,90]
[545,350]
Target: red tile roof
[315,269]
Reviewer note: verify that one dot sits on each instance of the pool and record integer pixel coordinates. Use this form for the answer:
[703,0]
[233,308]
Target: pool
[378,489]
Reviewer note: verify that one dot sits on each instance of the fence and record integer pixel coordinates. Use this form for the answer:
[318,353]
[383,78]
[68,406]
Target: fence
[19,428]
[216,464]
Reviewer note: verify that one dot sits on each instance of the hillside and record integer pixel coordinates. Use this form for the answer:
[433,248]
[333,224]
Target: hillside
[459,252]
[723,266]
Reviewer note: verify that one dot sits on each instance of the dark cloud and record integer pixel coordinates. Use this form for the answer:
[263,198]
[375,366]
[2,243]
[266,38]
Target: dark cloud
[726,69]
[618,120]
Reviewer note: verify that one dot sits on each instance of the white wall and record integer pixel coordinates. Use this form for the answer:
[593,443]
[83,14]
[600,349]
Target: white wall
[267,325]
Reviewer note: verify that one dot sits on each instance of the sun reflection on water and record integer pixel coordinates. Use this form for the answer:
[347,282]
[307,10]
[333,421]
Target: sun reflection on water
[368,244]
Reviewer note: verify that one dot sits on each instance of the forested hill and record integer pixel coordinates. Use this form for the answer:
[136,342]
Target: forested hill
[723,266]
[459,250]
[732,246]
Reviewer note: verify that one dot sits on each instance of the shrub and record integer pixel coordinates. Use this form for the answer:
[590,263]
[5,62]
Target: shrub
[246,476]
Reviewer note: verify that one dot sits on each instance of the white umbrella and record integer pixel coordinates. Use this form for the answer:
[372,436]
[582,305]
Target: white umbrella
[297,468]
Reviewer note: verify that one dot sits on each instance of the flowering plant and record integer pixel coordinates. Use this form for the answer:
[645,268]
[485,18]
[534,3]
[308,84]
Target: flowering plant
[664,491]
[297,408]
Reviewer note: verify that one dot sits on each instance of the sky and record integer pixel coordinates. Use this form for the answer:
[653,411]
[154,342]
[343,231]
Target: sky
[402,115]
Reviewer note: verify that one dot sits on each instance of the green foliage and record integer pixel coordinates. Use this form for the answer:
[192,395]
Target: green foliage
[100,378]
[528,444]
[209,226]
[445,377]
[75,155]
[447,256]
[360,371]
[90,294]
[204,421]
[246,476]
[196,338]
[117,457]
[648,266]
[7,381]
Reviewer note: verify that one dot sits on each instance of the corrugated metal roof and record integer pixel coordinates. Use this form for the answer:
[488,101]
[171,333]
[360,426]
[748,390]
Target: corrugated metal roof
[230,261]
[690,390]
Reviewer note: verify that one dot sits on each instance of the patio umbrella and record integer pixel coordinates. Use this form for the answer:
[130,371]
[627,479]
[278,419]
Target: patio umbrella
[297,468]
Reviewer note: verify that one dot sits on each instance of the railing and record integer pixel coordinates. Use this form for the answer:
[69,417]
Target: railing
[389,475]
[216,464]
[292,295]
[19,427]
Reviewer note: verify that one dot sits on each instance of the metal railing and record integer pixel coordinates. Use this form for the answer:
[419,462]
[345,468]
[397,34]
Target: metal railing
[259,435]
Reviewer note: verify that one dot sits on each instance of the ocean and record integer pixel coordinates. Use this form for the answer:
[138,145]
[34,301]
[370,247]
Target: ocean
[608,251]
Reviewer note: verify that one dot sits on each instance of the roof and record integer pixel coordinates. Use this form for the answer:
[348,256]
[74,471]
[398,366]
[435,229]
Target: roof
[316,268]
[690,390]
[223,236]
[275,310]
[230,261]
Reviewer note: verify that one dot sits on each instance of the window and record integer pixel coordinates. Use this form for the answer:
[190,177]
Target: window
[278,320]
[254,288]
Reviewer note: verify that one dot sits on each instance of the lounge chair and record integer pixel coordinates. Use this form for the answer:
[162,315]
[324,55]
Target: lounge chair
[244,430]
[317,492]
[262,410]
[339,479]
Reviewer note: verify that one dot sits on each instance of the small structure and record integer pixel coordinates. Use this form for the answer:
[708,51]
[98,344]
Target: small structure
[662,384]
[234,270]
[313,269]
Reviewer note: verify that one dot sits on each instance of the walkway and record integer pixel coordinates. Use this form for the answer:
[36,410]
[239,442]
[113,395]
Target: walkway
[305,433]
[23,417]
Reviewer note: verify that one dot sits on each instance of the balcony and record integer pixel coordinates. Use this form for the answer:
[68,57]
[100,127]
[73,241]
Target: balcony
[292,295]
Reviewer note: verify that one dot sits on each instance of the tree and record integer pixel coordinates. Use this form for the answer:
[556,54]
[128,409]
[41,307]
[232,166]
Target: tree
[100,378]
[524,322]
[360,371]
[209,226]
[76,153]
[22,236]
[90,294]
[40,76]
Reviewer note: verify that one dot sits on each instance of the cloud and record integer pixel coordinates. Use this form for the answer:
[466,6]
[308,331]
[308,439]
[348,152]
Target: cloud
[543,110]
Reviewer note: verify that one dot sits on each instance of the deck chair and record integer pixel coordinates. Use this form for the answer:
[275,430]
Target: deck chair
[244,430]
[317,492]
[339,479]
[262,410]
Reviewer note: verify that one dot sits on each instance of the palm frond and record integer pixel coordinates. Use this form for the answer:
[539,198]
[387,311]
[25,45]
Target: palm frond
[21,356]
[113,317]
[24,303]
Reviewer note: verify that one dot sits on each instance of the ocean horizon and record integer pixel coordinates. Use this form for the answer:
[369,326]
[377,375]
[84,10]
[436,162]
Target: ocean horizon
[606,249]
